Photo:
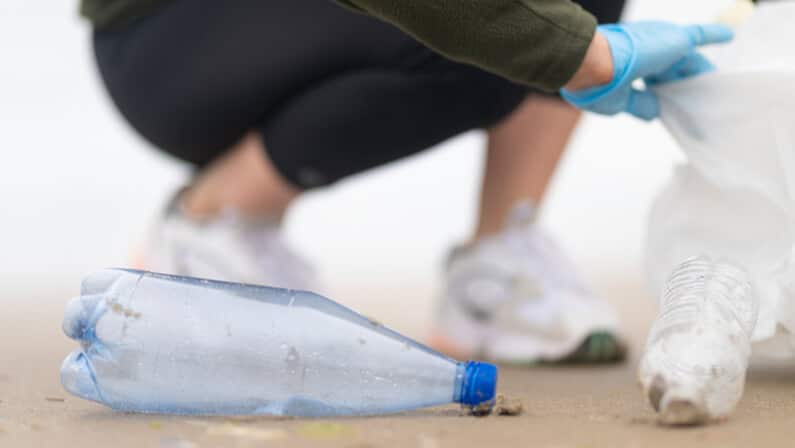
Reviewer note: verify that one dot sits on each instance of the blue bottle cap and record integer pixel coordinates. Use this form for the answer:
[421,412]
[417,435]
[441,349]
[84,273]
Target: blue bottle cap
[480,383]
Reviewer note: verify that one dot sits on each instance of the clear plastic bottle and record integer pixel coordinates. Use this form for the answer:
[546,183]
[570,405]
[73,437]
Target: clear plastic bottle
[168,344]
[694,366]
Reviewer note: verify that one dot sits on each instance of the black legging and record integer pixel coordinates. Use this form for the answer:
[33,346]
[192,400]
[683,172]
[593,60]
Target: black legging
[332,92]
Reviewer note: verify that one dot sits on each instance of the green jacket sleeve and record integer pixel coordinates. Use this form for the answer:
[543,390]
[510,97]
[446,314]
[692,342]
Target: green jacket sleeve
[540,43]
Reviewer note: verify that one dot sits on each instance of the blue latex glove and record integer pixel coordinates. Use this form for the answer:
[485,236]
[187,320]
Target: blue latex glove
[657,52]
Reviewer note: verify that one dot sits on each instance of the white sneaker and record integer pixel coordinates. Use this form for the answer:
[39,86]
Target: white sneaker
[514,297]
[229,247]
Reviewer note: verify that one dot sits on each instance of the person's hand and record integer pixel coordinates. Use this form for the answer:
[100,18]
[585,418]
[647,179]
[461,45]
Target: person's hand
[657,52]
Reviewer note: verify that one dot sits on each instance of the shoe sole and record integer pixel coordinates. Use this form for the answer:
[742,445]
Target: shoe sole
[446,346]
[599,347]
[138,258]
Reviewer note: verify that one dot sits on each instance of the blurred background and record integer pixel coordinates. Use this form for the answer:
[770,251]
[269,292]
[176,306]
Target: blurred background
[78,187]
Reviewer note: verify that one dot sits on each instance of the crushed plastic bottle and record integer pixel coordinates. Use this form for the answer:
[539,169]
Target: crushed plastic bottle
[722,232]
[693,369]
[167,344]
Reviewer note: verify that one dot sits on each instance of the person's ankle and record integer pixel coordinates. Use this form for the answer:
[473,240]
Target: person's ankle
[207,206]
[523,213]
[195,206]
[244,179]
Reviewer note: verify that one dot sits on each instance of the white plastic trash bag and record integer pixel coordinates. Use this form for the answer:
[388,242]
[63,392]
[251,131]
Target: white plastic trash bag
[735,197]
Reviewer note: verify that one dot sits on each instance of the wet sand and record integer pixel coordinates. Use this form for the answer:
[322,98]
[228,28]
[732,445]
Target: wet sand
[565,407]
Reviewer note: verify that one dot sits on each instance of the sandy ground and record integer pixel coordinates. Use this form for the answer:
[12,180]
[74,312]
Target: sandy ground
[566,406]
[48,83]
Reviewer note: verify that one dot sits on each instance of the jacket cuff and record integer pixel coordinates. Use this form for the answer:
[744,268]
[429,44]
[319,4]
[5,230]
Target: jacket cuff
[567,58]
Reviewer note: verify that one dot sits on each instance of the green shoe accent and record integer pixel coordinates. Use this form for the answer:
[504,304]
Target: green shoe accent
[597,348]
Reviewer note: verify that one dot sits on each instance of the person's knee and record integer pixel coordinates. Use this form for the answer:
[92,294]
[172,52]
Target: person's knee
[173,124]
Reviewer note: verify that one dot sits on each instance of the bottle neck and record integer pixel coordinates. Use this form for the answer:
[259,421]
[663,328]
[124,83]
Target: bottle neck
[476,383]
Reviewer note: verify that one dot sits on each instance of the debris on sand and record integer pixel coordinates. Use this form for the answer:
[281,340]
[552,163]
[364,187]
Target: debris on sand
[481,410]
[502,406]
[508,406]
[55,399]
